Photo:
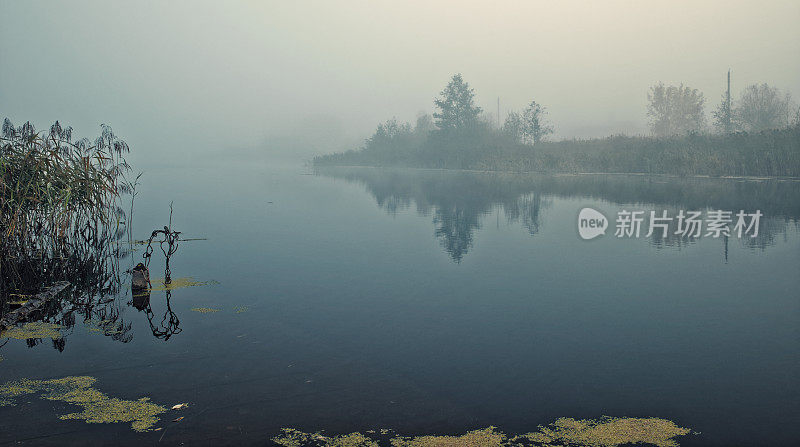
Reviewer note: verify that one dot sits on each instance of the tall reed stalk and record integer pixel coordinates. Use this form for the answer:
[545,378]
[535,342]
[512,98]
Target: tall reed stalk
[60,204]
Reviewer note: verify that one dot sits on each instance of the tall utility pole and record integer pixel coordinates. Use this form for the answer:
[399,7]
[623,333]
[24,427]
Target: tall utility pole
[728,105]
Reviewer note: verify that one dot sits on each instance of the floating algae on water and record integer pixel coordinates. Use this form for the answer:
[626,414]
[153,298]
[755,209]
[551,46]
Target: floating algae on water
[36,329]
[205,310]
[98,408]
[606,432]
[297,438]
[478,438]
[177,283]
[488,437]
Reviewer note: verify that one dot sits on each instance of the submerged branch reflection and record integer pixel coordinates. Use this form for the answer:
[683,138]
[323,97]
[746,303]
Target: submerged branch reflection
[170,324]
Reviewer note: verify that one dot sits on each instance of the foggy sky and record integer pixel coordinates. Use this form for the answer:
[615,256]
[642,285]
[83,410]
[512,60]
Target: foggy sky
[178,79]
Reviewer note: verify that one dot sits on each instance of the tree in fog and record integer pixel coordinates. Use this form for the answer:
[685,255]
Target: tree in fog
[389,135]
[762,107]
[530,127]
[457,109]
[723,116]
[535,127]
[424,124]
[391,129]
[675,110]
[513,125]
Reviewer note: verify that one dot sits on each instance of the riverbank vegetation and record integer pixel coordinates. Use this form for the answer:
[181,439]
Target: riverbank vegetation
[61,216]
[755,136]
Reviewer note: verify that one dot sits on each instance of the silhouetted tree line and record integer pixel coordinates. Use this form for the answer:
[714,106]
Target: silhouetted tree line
[756,134]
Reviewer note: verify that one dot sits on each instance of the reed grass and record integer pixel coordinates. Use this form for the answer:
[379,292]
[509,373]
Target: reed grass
[60,209]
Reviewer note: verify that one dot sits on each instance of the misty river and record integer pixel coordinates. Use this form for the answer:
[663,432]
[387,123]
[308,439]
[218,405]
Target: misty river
[426,301]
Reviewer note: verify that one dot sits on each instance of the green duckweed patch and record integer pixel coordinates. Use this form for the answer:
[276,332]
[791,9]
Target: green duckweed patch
[564,432]
[488,437]
[36,329]
[609,432]
[297,438]
[205,310]
[98,408]
[177,283]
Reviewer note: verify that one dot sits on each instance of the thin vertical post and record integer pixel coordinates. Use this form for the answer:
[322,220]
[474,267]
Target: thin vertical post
[728,104]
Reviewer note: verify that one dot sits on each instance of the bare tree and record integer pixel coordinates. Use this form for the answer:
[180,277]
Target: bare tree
[762,107]
[675,110]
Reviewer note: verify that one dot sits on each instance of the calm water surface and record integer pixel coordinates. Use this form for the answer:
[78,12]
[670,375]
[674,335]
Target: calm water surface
[439,302]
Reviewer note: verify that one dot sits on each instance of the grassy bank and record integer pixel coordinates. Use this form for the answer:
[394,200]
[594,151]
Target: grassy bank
[767,153]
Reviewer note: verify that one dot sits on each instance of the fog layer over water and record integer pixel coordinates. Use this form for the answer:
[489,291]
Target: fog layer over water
[294,79]
[437,302]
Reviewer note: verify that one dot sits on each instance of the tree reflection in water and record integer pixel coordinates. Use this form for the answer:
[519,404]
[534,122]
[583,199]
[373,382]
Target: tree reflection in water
[458,201]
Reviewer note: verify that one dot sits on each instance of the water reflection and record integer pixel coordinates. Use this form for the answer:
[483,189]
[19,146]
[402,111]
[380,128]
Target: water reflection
[96,296]
[169,324]
[459,202]
[91,264]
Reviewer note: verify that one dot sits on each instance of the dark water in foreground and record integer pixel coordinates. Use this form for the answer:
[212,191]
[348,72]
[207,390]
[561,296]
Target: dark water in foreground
[439,302]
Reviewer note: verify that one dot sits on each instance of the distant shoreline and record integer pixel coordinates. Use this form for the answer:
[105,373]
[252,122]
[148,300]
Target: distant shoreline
[769,154]
[573,174]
